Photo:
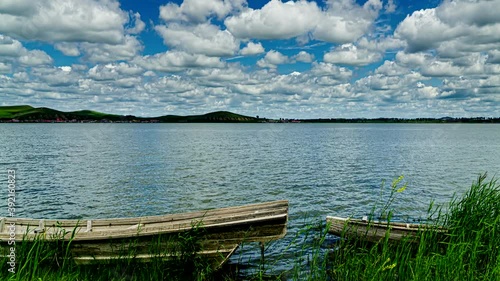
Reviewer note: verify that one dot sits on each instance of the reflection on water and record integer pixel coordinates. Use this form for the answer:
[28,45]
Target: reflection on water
[122,170]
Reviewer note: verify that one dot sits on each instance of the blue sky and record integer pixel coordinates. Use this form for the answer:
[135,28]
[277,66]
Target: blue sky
[302,59]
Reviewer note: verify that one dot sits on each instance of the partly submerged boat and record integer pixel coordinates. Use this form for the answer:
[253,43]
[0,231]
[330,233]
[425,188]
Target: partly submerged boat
[216,233]
[375,231]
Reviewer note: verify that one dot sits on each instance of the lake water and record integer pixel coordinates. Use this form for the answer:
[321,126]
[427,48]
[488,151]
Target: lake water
[124,170]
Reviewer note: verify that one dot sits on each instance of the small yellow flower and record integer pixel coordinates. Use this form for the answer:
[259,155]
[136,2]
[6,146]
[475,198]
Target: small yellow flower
[391,266]
[401,189]
[387,267]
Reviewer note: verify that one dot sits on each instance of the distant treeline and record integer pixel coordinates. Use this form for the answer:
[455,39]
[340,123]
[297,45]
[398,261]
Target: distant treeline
[29,114]
[403,120]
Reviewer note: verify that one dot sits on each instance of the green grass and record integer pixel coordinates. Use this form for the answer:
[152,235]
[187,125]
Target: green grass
[12,111]
[471,251]
[48,260]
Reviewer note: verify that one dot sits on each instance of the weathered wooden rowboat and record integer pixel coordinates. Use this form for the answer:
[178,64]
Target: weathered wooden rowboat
[375,231]
[218,233]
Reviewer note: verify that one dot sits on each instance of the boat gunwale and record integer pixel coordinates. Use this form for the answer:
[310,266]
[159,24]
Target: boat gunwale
[134,233]
[148,219]
[408,227]
[157,225]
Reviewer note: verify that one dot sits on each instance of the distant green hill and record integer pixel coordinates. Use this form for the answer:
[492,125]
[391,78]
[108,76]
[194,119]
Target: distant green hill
[29,113]
[218,116]
[93,114]
[9,112]
[26,113]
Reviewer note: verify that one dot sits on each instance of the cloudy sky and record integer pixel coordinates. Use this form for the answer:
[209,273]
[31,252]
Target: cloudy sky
[304,59]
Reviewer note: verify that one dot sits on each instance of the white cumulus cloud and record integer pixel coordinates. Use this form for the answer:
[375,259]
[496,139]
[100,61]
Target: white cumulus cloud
[391,68]
[275,20]
[304,56]
[10,47]
[197,11]
[464,25]
[339,22]
[101,52]
[5,68]
[139,24]
[345,21]
[252,49]
[64,20]
[174,61]
[328,69]
[68,49]
[206,39]
[272,59]
[351,55]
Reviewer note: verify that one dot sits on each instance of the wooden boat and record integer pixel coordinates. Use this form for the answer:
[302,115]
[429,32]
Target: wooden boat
[217,233]
[375,231]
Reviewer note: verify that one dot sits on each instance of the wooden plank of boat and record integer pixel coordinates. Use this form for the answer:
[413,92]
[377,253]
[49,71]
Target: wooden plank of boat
[375,231]
[218,257]
[218,231]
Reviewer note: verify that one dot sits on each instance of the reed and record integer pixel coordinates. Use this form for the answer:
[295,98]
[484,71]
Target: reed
[41,259]
[470,251]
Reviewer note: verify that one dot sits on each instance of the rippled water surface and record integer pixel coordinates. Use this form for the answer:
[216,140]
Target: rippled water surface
[123,170]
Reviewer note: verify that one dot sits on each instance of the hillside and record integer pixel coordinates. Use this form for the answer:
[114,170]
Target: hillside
[26,113]
[9,112]
[218,116]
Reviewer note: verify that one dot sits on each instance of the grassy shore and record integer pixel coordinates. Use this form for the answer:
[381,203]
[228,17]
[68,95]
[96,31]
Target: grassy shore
[471,251]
